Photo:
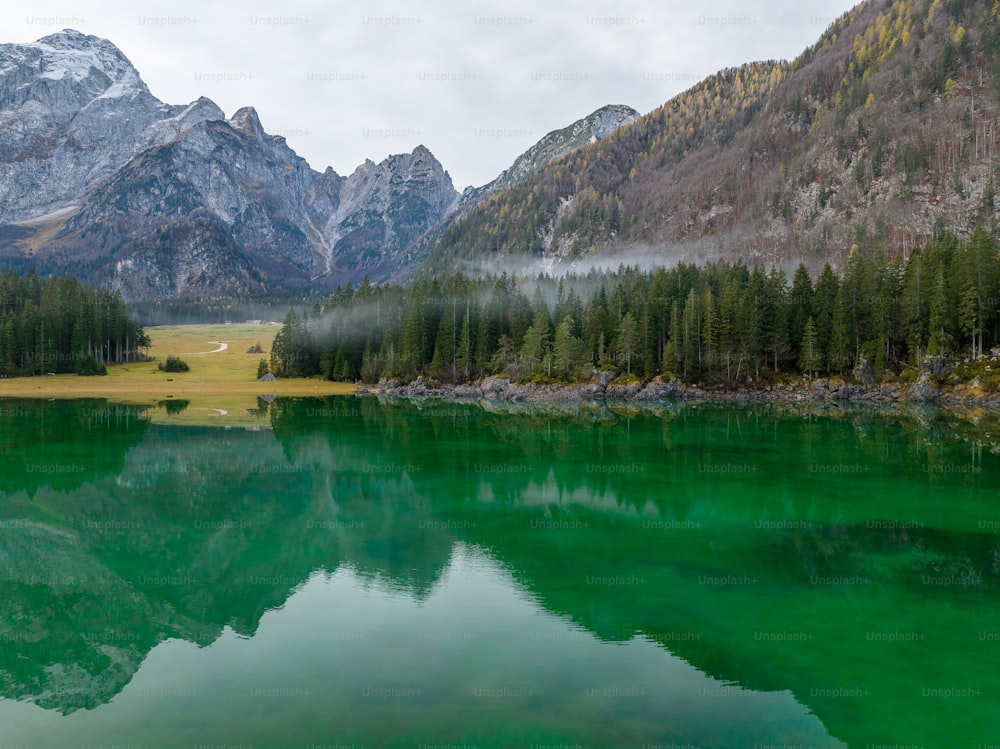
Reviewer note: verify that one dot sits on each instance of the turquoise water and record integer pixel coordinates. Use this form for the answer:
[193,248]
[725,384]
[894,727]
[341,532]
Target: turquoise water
[359,574]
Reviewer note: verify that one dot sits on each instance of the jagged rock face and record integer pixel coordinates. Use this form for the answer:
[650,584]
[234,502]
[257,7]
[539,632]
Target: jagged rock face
[101,180]
[260,207]
[73,110]
[158,200]
[197,256]
[383,210]
[219,197]
[555,145]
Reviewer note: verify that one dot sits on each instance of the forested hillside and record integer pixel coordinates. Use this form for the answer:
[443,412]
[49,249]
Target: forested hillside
[58,325]
[721,323]
[883,133]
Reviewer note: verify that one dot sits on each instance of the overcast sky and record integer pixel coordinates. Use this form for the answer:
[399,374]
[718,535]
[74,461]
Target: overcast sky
[477,82]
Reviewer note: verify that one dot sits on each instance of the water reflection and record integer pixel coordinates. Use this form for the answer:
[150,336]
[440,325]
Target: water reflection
[738,565]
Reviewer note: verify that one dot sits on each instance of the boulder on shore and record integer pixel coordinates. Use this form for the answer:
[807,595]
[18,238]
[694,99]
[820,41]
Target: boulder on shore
[864,372]
[923,390]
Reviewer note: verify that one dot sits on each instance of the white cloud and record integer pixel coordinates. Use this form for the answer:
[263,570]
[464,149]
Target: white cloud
[476,83]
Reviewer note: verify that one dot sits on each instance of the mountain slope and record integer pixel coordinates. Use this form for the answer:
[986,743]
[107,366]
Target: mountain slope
[100,179]
[229,209]
[884,130]
[384,209]
[220,205]
[552,146]
[73,110]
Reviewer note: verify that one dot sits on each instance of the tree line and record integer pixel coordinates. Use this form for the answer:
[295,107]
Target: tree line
[58,325]
[719,323]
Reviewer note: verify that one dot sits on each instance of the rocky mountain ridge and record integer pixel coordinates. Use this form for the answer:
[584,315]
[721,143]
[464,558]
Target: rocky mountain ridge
[100,179]
[592,128]
[73,110]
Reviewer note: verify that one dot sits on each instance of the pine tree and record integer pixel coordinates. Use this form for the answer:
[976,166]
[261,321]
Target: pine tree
[691,333]
[505,356]
[463,356]
[800,304]
[756,308]
[775,317]
[282,351]
[535,354]
[574,308]
[444,363]
[709,329]
[851,305]
[687,320]
[540,307]
[969,318]
[567,350]
[810,358]
[839,357]
[596,336]
[628,340]
[914,308]
[939,340]
[369,364]
[411,353]
[676,340]
[824,304]
[729,304]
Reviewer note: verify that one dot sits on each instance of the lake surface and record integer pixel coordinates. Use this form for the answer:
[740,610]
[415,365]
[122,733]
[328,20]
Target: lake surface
[355,574]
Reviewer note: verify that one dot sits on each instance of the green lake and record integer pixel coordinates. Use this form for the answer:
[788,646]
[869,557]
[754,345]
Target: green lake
[352,573]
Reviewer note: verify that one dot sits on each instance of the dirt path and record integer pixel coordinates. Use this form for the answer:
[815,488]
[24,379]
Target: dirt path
[222,347]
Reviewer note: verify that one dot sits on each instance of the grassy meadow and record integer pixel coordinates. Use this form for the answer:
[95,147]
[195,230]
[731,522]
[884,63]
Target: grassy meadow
[221,386]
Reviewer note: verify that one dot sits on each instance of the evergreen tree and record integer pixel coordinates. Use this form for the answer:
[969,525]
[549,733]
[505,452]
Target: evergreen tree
[757,325]
[628,340]
[800,307]
[810,358]
[729,305]
[939,340]
[49,325]
[463,355]
[535,354]
[774,315]
[691,333]
[709,329]
[444,363]
[414,340]
[505,356]
[915,308]
[824,305]
[676,348]
[568,351]
[839,357]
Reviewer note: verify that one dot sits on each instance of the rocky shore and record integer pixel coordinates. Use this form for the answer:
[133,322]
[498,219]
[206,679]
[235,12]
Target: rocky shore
[602,386]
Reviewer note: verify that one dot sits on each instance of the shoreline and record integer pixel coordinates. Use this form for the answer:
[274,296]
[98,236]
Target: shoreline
[70,387]
[974,419]
[602,390]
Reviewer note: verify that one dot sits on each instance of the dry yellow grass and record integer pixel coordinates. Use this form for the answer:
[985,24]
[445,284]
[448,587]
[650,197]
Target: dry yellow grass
[221,386]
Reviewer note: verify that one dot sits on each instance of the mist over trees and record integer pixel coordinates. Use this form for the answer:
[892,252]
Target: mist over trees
[720,323]
[58,325]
